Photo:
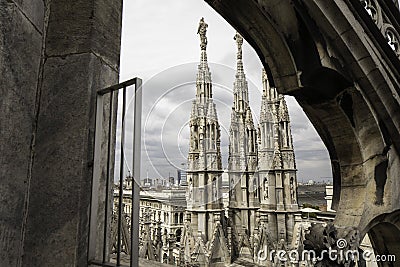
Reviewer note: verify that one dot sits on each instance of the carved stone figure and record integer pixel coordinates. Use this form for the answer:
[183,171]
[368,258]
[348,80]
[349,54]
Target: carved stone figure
[214,190]
[239,41]
[190,189]
[202,31]
[292,191]
[266,196]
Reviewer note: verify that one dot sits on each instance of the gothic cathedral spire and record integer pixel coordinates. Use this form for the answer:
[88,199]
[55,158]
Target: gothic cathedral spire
[203,80]
[204,216]
[276,167]
[242,162]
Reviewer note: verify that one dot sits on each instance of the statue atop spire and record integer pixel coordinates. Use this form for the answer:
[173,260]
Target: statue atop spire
[239,41]
[202,30]
[204,193]
[240,87]
[242,162]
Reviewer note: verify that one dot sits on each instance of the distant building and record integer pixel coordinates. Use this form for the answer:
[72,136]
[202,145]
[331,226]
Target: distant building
[181,177]
[310,182]
[161,219]
[328,197]
[147,182]
[171,181]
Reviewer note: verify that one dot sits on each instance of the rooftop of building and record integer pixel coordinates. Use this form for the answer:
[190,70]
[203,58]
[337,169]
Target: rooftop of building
[175,197]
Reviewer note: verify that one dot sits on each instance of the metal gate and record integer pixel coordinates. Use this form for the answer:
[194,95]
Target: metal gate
[114,241]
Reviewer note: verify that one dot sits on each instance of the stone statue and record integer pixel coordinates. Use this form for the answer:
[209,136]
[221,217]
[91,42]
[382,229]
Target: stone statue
[214,190]
[202,30]
[249,141]
[239,41]
[190,189]
[233,191]
[292,191]
[265,188]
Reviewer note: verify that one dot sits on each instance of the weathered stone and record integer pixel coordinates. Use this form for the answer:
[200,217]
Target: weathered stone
[94,26]
[20,49]
[62,169]
[33,10]
[44,214]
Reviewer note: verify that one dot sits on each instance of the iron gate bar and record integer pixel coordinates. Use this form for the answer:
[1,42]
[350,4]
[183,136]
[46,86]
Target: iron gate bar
[121,176]
[95,180]
[137,143]
[108,177]
[119,86]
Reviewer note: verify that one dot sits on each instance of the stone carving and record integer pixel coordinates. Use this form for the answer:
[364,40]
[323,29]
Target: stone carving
[239,41]
[323,237]
[383,23]
[214,190]
[233,191]
[293,191]
[371,7]
[190,189]
[202,31]
[266,196]
[392,38]
[283,110]
[277,164]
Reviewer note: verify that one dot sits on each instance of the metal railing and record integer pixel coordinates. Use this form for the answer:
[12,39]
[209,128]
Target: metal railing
[101,241]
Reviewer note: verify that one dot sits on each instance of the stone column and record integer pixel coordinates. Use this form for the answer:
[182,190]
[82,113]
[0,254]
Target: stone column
[21,38]
[81,56]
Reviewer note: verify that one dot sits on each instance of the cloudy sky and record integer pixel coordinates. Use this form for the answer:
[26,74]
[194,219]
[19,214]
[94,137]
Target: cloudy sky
[160,45]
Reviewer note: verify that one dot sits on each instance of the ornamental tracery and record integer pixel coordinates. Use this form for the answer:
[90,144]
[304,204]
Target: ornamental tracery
[383,23]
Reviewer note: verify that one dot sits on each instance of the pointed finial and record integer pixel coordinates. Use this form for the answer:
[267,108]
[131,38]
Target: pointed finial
[264,74]
[265,78]
[202,30]
[266,85]
[239,41]
[283,109]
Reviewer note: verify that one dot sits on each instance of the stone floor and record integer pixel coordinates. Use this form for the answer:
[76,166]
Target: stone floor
[147,263]
[237,263]
[243,262]
[142,262]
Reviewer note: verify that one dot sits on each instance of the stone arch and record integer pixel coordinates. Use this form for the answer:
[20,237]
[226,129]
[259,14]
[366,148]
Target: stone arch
[384,232]
[178,235]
